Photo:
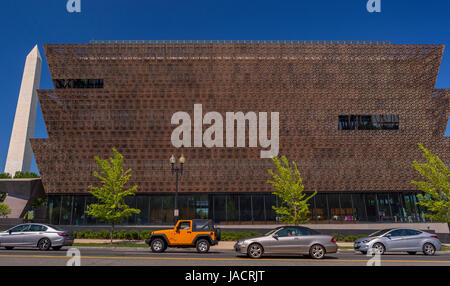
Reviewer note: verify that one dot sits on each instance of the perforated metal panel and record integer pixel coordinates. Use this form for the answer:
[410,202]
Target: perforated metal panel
[309,84]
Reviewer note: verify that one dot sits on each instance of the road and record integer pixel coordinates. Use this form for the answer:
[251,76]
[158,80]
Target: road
[187,257]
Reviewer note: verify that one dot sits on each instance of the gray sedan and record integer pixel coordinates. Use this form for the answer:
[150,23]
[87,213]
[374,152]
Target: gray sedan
[399,240]
[288,240]
[42,236]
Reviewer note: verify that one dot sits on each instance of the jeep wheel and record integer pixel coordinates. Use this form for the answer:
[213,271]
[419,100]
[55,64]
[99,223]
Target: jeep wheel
[202,246]
[158,245]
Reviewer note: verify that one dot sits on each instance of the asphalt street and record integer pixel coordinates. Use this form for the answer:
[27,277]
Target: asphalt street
[93,256]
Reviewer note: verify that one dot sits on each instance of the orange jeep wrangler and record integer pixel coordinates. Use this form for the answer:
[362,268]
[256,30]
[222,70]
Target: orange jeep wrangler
[197,233]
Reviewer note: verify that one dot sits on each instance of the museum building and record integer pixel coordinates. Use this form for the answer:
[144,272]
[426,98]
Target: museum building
[350,114]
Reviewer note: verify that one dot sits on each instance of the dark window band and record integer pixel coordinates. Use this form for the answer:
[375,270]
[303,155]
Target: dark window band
[369,122]
[78,83]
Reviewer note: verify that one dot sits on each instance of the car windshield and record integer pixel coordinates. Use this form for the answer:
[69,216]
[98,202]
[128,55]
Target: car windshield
[380,232]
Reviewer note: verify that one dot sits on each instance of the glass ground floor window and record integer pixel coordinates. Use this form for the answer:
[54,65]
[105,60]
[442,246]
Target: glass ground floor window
[325,207]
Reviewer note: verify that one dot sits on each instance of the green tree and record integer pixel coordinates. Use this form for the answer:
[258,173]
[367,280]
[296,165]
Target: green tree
[288,185]
[111,206]
[4,210]
[436,186]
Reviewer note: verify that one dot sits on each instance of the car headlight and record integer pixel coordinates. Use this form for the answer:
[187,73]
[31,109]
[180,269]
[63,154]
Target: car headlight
[241,243]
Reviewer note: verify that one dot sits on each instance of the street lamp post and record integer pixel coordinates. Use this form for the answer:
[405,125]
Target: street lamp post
[176,171]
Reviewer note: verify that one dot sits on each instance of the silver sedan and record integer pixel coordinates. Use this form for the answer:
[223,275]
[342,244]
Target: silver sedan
[42,236]
[399,240]
[288,240]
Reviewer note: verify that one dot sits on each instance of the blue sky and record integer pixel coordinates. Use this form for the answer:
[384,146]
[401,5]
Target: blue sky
[25,23]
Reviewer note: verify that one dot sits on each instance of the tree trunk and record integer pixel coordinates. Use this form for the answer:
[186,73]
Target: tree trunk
[112,232]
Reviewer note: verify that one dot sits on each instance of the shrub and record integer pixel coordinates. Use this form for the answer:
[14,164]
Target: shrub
[231,236]
[25,175]
[88,234]
[5,176]
[122,234]
[116,234]
[145,234]
[350,238]
[133,235]
[97,235]
[105,234]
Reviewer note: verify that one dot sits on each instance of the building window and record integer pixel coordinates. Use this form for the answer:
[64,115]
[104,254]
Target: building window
[369,122]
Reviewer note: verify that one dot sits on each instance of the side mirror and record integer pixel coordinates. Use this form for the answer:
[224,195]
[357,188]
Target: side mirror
[9,231]
[275,236]
[388,235]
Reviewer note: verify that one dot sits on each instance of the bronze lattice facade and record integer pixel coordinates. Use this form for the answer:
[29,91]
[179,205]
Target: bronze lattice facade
[123,95]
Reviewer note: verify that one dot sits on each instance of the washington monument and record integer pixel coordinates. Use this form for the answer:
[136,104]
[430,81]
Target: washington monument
[19,152]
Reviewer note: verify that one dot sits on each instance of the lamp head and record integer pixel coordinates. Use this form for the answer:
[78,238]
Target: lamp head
[172,159]
[182,159]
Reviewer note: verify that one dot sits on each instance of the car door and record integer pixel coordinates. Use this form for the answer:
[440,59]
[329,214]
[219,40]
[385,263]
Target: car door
[16,236]
[183,233]
[303,240]
[33,234]
[413,240]
[285,241]
[394,240]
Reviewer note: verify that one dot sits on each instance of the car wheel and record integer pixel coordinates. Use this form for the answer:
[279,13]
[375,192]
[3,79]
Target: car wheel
[364,252]
[44,244]
[56,247]
[9,247]
[157,245]
[429,249]
[202,246]
[378,248]
[317,251]
[412,252]
[255,250]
